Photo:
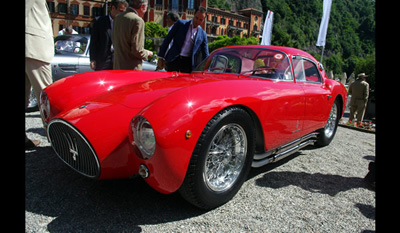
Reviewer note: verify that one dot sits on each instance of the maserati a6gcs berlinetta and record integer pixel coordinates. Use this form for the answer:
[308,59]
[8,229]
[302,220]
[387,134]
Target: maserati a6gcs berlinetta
[197,133]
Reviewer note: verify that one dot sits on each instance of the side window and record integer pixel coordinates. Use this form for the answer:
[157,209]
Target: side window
[305,70]
[311,72]
[298,69]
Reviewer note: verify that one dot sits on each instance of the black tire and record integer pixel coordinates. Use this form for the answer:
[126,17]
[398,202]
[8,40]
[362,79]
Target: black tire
[199,187]
[327,133]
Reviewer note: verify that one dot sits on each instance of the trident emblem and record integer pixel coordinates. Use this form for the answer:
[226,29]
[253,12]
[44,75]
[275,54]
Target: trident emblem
[72,145]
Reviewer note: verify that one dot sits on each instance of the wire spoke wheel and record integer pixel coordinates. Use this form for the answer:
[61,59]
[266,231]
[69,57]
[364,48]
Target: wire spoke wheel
[221,159]
[331,125]
[327,133]
[225,158]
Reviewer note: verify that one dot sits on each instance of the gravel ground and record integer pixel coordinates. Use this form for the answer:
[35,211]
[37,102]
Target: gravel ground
[314,190]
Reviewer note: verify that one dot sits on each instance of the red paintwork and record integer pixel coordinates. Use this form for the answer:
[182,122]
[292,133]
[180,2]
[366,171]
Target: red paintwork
[174,103]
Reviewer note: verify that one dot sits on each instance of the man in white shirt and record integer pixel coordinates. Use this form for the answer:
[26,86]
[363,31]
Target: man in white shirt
[67,31]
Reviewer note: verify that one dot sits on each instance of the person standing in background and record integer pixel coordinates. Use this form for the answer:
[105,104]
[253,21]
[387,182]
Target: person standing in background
[101,49]
[39,51]
[172,17]
[359,91]
[190,45]
[67,31]
[128,37]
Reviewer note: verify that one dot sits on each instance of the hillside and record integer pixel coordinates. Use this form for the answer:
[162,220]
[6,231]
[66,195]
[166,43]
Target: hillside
[235,5]
[351,30]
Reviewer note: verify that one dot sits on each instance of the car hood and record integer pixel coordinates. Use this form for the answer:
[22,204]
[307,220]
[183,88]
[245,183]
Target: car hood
[142,93]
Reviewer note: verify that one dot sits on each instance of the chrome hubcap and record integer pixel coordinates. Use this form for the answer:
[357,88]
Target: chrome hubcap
[225,157]
[331,124]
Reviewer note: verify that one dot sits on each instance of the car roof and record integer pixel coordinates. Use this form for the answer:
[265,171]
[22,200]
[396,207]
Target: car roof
[287,50]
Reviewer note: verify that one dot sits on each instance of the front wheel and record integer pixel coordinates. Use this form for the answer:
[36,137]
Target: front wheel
[221,159]
[328,132]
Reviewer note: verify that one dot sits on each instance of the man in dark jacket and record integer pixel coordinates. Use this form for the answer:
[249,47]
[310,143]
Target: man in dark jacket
[129,37]
[190,45]
[101,50]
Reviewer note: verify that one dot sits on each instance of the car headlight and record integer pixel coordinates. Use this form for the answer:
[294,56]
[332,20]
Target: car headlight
[143,136]
[44,106]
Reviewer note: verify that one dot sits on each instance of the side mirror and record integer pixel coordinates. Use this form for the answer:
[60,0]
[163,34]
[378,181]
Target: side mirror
[321,67]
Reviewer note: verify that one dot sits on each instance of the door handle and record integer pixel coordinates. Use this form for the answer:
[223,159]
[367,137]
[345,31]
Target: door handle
[68,67]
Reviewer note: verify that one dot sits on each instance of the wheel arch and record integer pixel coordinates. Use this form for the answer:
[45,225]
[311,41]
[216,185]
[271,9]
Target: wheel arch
[259,132]
[341,107]
[260,143]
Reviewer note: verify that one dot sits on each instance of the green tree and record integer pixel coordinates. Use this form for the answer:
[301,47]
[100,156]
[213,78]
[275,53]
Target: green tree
[351,30]
[224,40]
[367,65]
[221,4]
[153,29]
[334,63]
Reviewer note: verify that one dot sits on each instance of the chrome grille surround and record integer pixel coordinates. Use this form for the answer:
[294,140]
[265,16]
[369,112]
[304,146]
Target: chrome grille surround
[73,148]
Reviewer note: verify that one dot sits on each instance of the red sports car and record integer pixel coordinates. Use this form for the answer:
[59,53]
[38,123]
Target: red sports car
[198,133]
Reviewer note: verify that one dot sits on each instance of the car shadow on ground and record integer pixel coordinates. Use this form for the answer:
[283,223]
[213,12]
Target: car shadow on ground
[318,183]
[80,204]
[315,183]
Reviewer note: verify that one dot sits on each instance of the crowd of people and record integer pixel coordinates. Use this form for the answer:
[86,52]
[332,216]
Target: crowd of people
[117,42]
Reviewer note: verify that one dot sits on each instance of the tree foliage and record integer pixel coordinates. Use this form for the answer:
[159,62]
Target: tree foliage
[153,29]
[224,40]
[351,30]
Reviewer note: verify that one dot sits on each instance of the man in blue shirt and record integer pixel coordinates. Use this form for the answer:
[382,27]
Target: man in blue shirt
[190,45]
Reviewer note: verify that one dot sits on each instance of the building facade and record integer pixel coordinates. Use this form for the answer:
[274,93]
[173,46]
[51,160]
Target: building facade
[77,13]
[245,23]
[158,10]
[80,13]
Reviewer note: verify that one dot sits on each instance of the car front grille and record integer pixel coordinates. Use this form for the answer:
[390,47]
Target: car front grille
[73,148]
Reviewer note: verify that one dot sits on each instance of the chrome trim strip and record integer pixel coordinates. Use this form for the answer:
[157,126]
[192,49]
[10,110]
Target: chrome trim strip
[281,152]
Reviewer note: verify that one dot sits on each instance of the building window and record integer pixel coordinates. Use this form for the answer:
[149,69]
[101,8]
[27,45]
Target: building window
[159,2]
[215,19]
[76,28]
[86,30]
[174,5]
[75,9]
[62,8]
[51,6]
[86,10]
[190,4]
[97,11]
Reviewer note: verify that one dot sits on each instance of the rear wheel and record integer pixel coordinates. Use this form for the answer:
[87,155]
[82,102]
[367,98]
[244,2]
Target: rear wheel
[221,160]
[327,134]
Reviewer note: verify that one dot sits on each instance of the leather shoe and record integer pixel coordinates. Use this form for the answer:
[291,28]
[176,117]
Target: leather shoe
[29,144]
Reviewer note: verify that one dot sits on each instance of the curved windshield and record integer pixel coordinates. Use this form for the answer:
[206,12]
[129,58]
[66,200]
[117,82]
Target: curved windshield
[258,62]
[70,44]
